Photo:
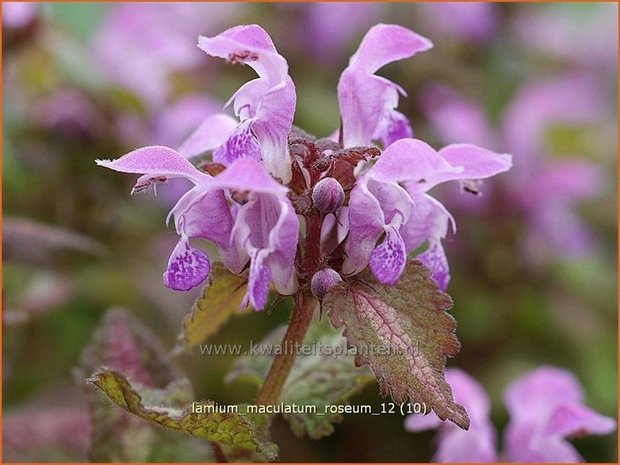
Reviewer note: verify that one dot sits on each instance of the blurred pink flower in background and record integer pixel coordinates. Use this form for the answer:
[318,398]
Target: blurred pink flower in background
[586,35]
[18,14]
[466,21]
[546,407]
[478,444]
[141,44]
[545,187]
[330,27]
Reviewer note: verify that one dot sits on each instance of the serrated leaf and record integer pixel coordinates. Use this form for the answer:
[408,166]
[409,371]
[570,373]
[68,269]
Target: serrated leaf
[219,300]
[404,333]
[228,429]
[319,379]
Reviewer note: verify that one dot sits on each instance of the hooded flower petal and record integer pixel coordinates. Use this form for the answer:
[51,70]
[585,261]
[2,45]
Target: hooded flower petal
[268,102]
[201,212]
[187,268]
[368,102]
[412,160]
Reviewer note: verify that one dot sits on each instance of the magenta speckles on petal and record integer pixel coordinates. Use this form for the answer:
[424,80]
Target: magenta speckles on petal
[241,144]
[435,260]
[387,261]
[187,267]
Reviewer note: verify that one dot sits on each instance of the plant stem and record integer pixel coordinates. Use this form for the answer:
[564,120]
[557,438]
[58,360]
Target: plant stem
[218,453]
[284,360]
[312,248]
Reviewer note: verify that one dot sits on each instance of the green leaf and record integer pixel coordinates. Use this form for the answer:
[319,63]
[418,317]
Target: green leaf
[162,407]
[324,378]
[220,299]
[404,333]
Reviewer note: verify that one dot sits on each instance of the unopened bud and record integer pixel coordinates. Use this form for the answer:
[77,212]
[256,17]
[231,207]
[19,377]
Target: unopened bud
[327,195]
[322,281]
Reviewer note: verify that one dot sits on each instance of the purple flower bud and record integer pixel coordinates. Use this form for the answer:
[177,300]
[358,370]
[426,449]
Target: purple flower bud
[327,195]
[323,280]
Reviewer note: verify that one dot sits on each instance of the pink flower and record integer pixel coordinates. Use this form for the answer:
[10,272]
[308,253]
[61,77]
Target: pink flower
[546,407]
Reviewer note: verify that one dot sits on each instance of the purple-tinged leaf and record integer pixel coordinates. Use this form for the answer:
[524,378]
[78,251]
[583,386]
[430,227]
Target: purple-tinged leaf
[404,333]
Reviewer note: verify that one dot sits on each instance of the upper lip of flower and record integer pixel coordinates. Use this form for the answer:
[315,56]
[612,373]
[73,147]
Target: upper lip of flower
[367,101]
[265,106]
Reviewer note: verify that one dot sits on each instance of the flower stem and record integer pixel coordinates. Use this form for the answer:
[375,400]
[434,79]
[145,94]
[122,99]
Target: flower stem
[284,360]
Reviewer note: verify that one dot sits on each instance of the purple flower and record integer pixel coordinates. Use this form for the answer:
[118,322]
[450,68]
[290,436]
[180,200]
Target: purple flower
[390,200]
[455,444]
[265,106]
[546,407]
[247,214]
[260,226]
[368,102]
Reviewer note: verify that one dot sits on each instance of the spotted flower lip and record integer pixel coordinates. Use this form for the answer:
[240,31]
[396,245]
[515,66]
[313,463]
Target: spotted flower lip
[264,106]
[262,230]
[368,102]
[391,199]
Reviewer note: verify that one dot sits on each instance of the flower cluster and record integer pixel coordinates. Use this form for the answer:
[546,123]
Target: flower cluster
[358,206]
[546,406]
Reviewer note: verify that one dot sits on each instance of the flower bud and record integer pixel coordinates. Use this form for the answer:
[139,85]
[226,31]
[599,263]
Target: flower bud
[322,281]
[327,195]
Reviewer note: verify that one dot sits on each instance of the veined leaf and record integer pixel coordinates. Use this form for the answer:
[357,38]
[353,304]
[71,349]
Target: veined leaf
[219,300]
[404,333]
[162,407]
